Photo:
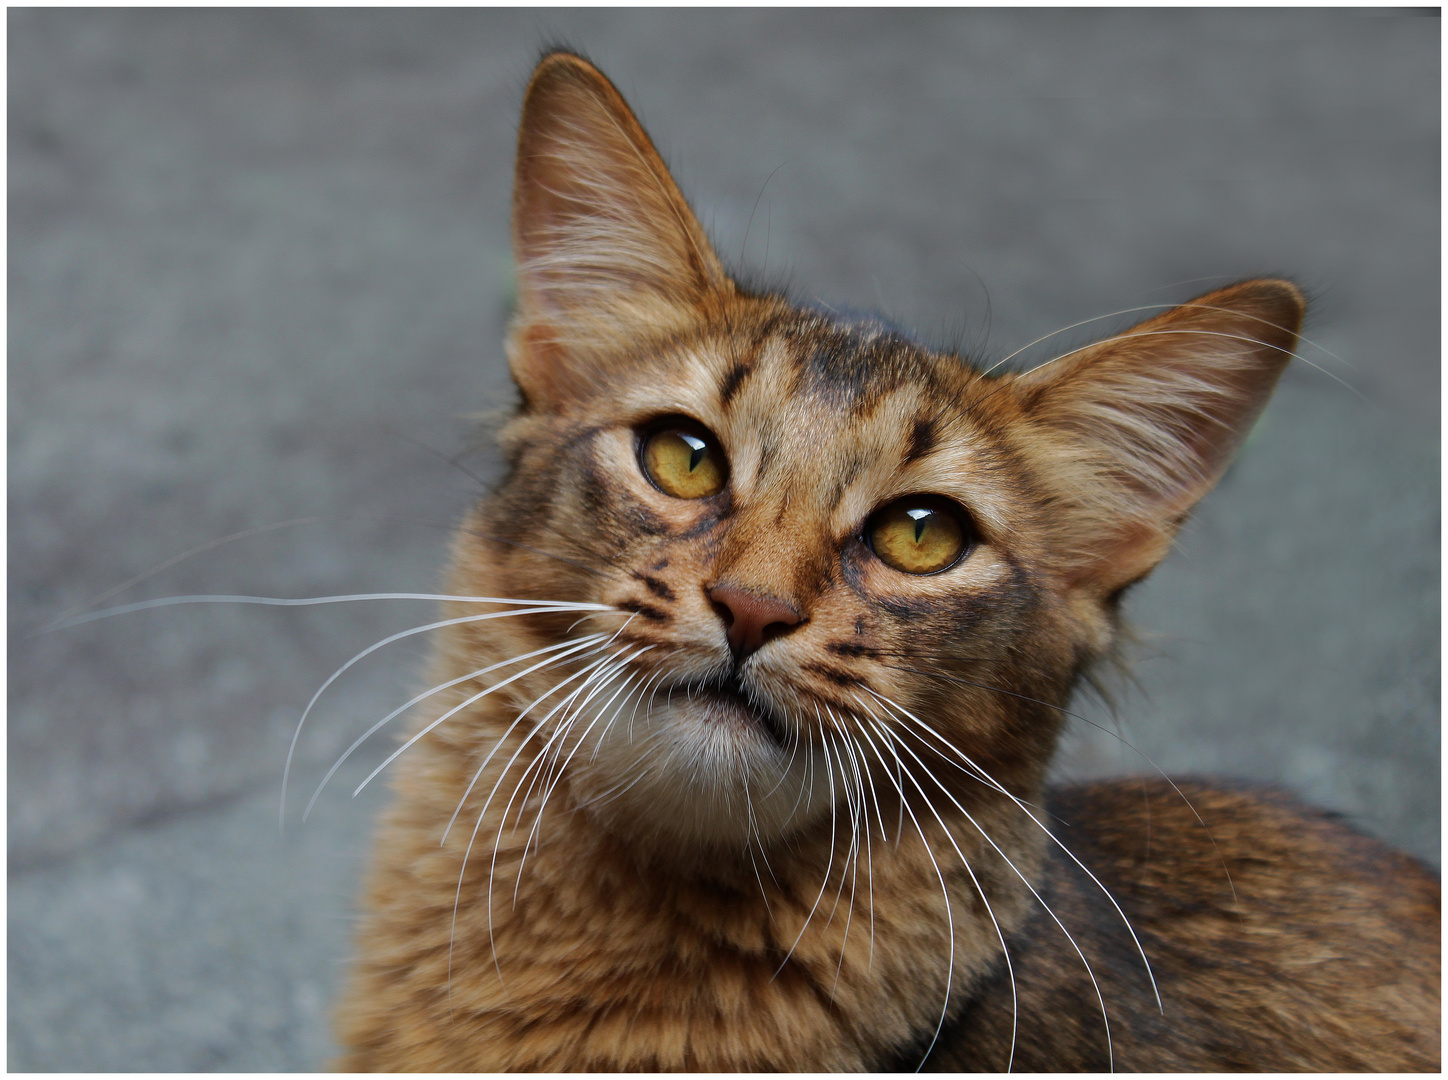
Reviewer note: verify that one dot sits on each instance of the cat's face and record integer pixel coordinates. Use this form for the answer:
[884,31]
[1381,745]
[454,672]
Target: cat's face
[851,530]
[843,568]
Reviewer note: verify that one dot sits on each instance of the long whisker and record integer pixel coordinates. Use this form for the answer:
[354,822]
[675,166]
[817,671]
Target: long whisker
[592,666]
[784,773]
[849,793]
[601,672]
[63,618]
[890,744]
[60,620]
[622,665]
[639,683]
[1028,885]
[297,734]
[427,694]
[753,829]
[482,812]
[1075,716]
[658,675]
[576,647]
[601,678]
[856,797]
[862,770]
[944,892]
[558,739]
[307,601]
[829,866]
[1039,824]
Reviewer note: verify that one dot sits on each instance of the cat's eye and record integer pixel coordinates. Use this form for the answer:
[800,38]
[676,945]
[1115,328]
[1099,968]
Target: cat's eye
[920,534]
[683,460]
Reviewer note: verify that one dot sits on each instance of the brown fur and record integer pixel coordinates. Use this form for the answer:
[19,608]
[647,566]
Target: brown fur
[805,857]
[1247,982]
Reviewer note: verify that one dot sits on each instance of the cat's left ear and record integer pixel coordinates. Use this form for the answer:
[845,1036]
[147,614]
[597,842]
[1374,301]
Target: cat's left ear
[606,249]
[1131,432]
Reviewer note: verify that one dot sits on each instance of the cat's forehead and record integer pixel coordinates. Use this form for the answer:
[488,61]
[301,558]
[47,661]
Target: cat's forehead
[850,377]
[840,412]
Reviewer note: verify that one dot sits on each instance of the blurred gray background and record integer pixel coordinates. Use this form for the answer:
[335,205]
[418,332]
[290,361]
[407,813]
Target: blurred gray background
[259,272]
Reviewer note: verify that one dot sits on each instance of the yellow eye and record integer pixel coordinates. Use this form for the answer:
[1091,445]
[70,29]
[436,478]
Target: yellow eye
[918,534]
[683,462]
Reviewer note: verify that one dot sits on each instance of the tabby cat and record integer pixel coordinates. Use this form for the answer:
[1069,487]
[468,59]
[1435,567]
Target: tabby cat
[751,775]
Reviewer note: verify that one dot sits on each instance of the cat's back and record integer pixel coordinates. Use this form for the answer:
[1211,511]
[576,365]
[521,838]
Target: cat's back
[1321,952]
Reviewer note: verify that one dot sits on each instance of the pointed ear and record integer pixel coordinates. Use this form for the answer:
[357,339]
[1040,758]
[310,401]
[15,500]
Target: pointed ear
[605,246]
[1137,428]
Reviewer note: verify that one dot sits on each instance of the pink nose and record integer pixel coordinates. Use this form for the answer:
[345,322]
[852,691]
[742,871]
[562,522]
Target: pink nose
[750,619]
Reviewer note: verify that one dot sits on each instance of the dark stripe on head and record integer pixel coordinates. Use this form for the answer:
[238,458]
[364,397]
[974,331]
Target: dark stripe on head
[733,380]
[838,367]
[922,439]
[852,366]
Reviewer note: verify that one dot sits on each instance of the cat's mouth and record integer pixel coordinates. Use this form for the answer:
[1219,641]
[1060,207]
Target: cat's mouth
[726,701]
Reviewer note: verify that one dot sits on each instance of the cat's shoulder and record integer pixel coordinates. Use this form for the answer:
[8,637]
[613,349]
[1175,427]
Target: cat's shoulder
[1155,831]
[1279,938]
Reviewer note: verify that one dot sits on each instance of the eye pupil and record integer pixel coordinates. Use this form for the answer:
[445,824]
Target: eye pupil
[922,518]
[700,449]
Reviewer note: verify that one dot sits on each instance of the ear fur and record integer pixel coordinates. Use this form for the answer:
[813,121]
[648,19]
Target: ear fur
[1134,430]
[605,246]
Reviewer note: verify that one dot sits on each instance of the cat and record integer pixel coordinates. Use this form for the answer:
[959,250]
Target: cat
[790,609]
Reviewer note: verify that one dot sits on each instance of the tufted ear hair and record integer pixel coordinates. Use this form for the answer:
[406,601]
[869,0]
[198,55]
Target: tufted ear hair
[1131,432]
[606,248]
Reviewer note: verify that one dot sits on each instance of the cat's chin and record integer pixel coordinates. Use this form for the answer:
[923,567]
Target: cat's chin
[703,773]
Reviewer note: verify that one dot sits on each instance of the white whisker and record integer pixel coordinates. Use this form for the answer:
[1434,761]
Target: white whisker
[462,872]
[559,738]
[281,601]
[890,743]
[423,696]
[297,734]
[829,866]
[863,771]
[1043,827]
[853,857]
[945,894]
[580,646]
[622,665]
[592,666]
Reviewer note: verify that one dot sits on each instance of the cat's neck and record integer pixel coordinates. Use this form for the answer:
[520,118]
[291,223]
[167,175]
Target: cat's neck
[576,949]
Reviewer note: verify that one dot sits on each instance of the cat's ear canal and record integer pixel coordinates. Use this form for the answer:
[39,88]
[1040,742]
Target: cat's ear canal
[606,249]
[1131,432]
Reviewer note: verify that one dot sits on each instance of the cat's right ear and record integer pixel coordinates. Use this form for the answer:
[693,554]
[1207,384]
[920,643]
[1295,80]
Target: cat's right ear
[606,249]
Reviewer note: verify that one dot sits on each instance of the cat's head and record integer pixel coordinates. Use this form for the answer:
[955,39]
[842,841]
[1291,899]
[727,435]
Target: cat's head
[847,567]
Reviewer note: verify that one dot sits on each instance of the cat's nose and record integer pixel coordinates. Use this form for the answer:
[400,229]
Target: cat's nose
[751,619]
